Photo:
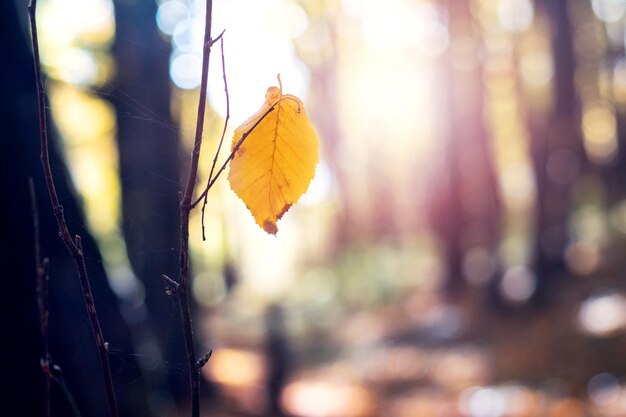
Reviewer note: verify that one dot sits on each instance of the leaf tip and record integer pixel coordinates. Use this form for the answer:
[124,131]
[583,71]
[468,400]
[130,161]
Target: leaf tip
[270,227]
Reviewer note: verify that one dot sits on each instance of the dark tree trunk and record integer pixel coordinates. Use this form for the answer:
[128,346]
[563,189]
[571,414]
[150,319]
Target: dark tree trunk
[71,340]
[149,166]
[617,168]
[614,172]
[558,143]
[279,355]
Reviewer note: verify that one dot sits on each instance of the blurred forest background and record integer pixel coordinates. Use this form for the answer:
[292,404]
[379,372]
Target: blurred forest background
[460,252]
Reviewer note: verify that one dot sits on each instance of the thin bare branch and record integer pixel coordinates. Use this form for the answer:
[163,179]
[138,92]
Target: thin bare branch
[185,209]
[41,268]
[203,360]
[217,38]
[171,286]
[73,246]
[219,146]
[57,375]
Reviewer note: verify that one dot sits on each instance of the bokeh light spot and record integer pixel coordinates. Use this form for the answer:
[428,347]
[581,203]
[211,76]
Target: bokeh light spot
[609,10]
[518,284]
[582,257]
[186,70]
[603,315]
[515,15]
[600,132]
[170,14]
[482,402]
[604,389]
[537,68]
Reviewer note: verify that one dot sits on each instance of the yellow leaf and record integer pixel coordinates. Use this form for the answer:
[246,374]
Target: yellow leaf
[275,163]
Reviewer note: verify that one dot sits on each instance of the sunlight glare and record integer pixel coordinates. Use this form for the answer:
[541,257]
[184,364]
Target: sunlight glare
[315,45]
[268,264]
[290,17]
[407,25]
[71,32]
[66,22]
[253,62]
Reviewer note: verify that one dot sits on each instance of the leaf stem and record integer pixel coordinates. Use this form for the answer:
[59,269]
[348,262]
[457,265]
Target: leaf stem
[231,156]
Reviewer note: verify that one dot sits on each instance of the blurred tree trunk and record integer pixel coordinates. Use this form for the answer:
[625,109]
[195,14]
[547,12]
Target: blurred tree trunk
[468,214]
[556,152]
[617,168]
[71,340]
[615,171]
[149,167]
[279,356]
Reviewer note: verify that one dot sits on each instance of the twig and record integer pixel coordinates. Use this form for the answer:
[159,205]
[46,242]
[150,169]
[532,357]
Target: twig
[57,374]
[171,286]
[41,268]
[185,209]
[73,245]
[217,38]
[51,371]
[203,360]
[219,147]
[232,155]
